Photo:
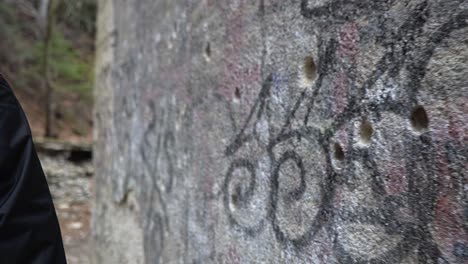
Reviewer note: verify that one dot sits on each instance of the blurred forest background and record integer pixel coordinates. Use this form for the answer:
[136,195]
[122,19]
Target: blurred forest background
[47,54]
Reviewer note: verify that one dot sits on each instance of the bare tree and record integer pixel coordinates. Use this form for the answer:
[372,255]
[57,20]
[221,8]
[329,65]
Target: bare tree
[47,82]
[41,17]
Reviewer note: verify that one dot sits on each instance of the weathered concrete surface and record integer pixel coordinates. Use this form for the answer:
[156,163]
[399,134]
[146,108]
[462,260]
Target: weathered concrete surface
[270,131]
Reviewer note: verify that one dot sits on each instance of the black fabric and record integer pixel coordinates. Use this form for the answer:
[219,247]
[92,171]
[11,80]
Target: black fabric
[29,230]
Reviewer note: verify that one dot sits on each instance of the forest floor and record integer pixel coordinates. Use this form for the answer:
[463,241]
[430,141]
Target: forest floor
[70,183]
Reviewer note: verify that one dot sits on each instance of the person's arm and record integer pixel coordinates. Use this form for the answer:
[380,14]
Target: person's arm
[29,229]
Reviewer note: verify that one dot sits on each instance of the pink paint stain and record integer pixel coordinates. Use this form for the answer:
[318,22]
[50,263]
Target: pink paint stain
[237,74]
[396,181]
[448,225]
[341,91]
[233,255]
[448,221]
[458,119]
[348,37]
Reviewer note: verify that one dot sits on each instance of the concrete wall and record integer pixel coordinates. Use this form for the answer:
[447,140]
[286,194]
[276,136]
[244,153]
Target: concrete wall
[270,131]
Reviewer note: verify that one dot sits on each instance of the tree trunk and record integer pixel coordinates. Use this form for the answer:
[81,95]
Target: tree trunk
[42,14]
[49,93]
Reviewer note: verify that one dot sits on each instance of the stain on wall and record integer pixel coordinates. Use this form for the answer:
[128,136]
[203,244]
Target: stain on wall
[282,131]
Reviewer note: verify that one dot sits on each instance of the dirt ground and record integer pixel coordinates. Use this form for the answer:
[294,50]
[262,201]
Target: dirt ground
[70,184]
[75,225]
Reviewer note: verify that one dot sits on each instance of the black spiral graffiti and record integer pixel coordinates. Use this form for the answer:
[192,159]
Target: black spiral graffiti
[240,197]
[325,189]
[296,194]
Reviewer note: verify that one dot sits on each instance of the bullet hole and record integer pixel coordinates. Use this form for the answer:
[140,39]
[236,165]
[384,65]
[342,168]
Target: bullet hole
[419,119]
[208,50]
[310,69]
[366,131]
[338,152]
[237,93]
[235,197]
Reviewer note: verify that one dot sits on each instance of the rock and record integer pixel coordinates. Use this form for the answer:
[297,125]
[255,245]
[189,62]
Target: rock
[320,131]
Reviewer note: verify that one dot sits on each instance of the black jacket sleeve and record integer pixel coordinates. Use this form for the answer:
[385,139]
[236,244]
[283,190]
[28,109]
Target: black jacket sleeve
[29,230]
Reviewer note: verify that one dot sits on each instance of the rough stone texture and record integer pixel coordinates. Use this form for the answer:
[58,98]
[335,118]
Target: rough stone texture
[269,131]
